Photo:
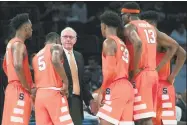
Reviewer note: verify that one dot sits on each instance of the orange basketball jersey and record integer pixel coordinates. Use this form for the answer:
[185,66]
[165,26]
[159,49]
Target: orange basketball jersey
[165,70]
[148,36]
[8,65]
[44,72]
[122,60]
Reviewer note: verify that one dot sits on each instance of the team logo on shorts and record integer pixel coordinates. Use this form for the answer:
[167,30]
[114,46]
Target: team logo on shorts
[21,96]
[108,91]
[165,91]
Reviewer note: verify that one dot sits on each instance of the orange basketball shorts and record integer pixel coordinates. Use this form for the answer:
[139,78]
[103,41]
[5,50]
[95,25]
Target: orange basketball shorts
[166,114]
[51,108]
[118,103]
[145,100]
[17,106]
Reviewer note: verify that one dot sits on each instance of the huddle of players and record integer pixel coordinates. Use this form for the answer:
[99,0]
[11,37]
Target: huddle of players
[137,84]
[144,60]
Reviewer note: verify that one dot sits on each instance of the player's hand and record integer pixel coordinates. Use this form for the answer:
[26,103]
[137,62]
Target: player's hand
[171,79]
[33,91]
[33,94]
[93,106]
[64,90]
[99,100]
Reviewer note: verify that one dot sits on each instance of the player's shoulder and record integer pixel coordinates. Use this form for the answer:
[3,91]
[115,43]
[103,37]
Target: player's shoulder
[129,27]
[56,47]
[109,43]
[17,44]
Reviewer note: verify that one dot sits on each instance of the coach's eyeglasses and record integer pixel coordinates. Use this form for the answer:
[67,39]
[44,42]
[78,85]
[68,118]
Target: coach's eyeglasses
[70,37]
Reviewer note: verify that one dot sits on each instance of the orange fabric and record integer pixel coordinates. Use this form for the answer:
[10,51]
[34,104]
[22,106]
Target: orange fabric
[165,70]
[17,106]
[122,60]
[8,65]
[44,72]
[167,90]
[109,70]
[144,98]
[124,10]
[4,66]
[148,36]
[118,107]
[46,113]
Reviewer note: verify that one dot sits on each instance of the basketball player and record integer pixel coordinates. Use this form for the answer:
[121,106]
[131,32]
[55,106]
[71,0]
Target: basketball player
[17,106]
[166,114]
[51,104]
[141,43]
[116,109]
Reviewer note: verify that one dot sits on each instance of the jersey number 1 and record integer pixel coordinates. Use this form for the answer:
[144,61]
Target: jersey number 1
[41,63]
[150,36]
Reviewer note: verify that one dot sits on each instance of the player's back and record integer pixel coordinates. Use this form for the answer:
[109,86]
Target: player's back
[165,70]
[147,35]
[44,72]
[122,59]
[8,64]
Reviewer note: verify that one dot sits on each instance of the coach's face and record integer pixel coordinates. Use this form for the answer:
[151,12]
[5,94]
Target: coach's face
[68,39]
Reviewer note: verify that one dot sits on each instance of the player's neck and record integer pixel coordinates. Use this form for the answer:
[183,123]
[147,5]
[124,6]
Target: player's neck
[20,36]
[111,32]
[134,18]
[47,43]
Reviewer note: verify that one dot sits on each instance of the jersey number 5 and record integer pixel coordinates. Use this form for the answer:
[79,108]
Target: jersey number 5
[150,36]
[41,63]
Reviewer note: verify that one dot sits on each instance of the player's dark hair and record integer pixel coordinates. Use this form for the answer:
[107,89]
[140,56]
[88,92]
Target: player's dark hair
[131,5]
[111,19]
[150,15]
[19,20]
[52,37]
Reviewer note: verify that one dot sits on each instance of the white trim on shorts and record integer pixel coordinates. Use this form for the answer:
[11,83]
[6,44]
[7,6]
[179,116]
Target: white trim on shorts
[52,88]
[144,115]
[169,122]
[112,120]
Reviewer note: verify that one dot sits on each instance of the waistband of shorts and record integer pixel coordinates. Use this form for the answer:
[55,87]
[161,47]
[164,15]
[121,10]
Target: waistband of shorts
[145,69]
[120,79]
[50,88]
[163,80]
[149,69]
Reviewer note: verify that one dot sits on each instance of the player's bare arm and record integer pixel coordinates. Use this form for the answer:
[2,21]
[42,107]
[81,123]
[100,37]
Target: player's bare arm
[109,51]
[181,57]
[18,50]
[56,52]
[131,33]
[167,42]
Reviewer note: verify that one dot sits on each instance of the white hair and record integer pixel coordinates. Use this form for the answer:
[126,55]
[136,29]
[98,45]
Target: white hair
[68,29]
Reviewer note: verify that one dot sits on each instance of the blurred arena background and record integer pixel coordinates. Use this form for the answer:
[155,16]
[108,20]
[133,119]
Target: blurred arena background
[84,18]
